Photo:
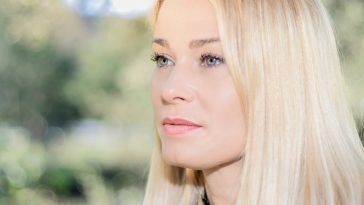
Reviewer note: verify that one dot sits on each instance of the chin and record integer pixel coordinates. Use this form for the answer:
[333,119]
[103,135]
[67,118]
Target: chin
[179,159]
[190,161]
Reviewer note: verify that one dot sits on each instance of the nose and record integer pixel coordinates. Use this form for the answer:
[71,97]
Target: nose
[178,87]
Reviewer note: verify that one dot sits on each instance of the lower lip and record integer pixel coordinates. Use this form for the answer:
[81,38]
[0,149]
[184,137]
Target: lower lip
[178,129]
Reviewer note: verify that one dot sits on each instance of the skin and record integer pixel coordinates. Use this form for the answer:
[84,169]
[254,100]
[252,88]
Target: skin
[200,90]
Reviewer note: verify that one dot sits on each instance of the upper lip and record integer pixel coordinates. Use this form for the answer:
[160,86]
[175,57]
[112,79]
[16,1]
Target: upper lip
[179,121]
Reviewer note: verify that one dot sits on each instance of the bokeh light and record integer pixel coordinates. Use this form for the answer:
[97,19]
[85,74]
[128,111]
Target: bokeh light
[124,8]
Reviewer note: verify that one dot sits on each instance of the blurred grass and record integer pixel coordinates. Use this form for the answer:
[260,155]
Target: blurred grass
[75,116]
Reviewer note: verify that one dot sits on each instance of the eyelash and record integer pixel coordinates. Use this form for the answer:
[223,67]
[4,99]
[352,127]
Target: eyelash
[157,57]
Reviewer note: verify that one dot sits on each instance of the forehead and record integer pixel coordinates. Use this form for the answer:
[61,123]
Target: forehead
[188,18]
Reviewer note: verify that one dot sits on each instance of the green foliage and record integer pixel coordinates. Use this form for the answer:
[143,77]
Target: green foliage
[58,68]
[112,71]
[348,21]
[62,181]
[33,70]
[59,173]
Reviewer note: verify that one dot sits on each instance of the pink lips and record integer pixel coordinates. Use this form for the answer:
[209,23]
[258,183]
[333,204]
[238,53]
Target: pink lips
[176,126]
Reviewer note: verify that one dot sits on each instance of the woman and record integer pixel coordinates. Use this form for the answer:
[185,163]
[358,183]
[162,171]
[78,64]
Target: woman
[249,106]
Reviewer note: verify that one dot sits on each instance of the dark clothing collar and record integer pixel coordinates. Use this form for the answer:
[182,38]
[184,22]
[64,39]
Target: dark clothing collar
[205,200]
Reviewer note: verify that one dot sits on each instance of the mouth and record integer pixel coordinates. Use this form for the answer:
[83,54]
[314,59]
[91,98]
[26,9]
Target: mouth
[178,126]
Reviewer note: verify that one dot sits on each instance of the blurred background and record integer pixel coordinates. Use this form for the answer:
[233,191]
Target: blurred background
[75,115]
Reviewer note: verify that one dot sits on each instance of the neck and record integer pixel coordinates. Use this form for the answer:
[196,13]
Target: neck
[222,183]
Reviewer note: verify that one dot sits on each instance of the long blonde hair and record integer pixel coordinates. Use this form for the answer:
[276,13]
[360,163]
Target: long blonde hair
[302,144]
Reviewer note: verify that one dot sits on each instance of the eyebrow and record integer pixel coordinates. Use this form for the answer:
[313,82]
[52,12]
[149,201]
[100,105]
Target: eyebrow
[193,44]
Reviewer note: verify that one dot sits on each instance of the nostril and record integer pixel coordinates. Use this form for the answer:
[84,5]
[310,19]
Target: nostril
[173,100]
[175,95]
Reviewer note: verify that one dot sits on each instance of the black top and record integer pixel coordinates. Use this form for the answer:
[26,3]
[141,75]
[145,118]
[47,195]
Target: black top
[205,200]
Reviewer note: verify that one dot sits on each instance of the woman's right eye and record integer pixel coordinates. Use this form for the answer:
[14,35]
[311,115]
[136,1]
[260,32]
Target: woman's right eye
[161,61]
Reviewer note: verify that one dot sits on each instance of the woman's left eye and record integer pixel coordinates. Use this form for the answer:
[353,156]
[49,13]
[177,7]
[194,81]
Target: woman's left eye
[209,60]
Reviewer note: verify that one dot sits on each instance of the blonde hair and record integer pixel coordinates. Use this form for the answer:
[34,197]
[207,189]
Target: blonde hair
[302,143]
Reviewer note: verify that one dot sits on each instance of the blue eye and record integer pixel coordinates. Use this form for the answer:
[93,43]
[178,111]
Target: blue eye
[161,60]
[208,60]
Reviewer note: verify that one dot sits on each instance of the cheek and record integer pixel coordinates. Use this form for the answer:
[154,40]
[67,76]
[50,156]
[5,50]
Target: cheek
[228,128]
[155,94]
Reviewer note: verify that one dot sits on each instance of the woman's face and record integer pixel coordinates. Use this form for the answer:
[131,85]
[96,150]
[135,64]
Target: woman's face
[197,109]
